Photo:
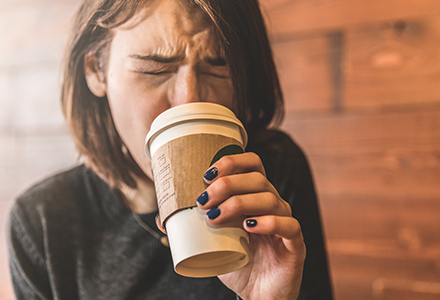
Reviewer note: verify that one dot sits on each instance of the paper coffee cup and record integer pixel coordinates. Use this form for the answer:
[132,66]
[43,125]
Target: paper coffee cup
[182,143]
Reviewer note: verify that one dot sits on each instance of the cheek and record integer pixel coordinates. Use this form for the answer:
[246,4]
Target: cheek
[133,118]
[133,108]
[132,121]
[132,104]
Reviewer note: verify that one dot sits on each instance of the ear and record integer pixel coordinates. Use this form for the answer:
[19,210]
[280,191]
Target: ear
[94,76]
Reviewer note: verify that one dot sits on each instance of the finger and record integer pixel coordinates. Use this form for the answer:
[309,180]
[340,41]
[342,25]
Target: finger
[241,206]
[286,228]
[234,164]
[239,184]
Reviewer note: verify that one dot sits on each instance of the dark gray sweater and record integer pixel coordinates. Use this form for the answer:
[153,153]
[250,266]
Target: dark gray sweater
[72,237]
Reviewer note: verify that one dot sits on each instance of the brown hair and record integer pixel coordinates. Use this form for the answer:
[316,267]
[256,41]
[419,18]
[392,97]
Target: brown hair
[242,33]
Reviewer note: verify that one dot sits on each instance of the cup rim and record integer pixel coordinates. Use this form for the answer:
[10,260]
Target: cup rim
[189,112]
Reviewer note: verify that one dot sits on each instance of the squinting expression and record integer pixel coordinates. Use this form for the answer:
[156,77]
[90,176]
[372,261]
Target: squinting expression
[166,55]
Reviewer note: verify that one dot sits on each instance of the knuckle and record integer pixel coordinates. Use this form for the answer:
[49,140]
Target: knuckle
[260,180]
[226,162]
[271,224]
[273,201]
[304,251]
[288,208]
[255,157]
[257,162]
[296,231]
[285,207]
[222,184]
[236,203]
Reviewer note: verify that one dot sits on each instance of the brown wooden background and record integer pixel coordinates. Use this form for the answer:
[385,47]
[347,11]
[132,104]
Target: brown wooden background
[362,84]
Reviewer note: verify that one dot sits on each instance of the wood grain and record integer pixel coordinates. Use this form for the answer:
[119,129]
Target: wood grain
[392,64]
[390,154]
[286,17]
[406,290]
[306,74]
[377,175]
[361,84]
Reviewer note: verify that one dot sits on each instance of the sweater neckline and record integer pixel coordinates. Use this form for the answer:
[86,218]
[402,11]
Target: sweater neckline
[112,203]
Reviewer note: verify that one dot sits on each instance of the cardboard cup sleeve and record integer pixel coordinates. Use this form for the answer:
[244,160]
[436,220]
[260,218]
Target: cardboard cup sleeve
[182,143]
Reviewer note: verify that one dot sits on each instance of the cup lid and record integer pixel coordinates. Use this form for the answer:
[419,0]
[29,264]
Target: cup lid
[191,112]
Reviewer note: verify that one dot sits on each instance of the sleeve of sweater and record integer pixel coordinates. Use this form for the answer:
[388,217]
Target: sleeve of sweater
[288,170]
[26,258]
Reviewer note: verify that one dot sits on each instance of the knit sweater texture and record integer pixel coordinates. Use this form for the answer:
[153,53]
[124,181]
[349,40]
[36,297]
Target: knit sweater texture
[72,237]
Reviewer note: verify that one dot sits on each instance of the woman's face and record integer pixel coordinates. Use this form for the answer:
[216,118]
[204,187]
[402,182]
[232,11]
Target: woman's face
[166,55]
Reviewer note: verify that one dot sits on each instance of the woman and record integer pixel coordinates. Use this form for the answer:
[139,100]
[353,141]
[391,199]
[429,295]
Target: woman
[81,233]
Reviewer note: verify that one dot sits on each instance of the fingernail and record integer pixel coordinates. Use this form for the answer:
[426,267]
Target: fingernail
[251,223]
[203,198]
[213,213]
[211,173]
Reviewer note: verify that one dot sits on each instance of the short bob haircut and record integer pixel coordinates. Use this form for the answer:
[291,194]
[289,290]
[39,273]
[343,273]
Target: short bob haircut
[242,32]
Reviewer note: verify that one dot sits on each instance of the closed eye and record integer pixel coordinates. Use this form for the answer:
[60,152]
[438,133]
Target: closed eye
[157,73]
[216,71]
[221,76]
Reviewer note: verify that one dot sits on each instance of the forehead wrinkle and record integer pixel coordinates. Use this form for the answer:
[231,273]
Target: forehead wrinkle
[169,52]
[179,32]
[175,39]
[191,18]
[207,45]
[202,45]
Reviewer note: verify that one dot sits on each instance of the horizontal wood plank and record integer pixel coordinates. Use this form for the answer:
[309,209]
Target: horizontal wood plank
[375,276]
[371,239]
[306,73]
[360,278]
[347,268]
[286,17]
[346,289]
[410,224]
[388,65]
[387,155]
[388,289]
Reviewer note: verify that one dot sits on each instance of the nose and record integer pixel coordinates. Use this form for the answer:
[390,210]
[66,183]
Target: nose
[187,87]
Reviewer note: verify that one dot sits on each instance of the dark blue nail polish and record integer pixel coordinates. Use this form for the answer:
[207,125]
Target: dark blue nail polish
[251,223]
[211,173]
[213,213]
[203,198]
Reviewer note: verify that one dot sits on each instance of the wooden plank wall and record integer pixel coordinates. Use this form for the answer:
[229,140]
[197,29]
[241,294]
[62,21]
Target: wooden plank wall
[34,142]
[361,82]
[362,85]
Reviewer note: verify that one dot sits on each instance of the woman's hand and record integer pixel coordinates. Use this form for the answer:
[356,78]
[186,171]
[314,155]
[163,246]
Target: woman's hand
[238,189]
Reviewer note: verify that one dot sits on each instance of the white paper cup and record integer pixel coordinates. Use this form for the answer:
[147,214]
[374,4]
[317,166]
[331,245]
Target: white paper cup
[182,143]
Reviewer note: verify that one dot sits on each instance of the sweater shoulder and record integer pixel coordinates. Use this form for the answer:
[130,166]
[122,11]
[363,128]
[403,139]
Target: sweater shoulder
[60,197]
[55,189]
[278,151]
[28,216]
[286,164]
